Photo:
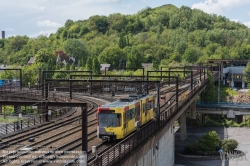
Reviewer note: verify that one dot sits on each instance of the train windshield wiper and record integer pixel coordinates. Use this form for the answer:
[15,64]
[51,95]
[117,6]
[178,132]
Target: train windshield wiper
[110,124]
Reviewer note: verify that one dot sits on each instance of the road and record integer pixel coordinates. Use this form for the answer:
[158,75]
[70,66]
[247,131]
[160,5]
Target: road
[241,134]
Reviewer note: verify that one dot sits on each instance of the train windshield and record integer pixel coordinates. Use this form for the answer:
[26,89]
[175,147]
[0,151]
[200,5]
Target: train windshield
[109,120]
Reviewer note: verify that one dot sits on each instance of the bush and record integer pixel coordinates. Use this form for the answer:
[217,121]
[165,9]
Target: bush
[229,145]
[191,149]
[209,141]
[193,122]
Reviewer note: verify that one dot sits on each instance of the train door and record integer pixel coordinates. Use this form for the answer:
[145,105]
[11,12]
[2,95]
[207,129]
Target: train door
[125,121]
[137,112]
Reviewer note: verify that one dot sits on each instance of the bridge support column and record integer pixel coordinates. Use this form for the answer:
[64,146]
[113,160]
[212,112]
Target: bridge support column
[1,110]
[40,109]
[202,97]
[17,109]
[183,129]
[243,84]
[202,117]
[193,110]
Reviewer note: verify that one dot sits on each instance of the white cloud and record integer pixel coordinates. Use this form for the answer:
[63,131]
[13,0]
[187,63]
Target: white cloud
[48,23]
[41,8]
[9,29]
[235,20]
[219,6]
[247,24]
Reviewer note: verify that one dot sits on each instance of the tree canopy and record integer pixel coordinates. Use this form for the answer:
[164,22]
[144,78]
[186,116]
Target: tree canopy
[161,35]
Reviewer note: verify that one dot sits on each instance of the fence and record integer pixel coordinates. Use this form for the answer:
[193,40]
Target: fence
[35,120]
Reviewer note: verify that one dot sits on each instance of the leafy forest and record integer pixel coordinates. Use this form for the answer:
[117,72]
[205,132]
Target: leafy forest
[162,36]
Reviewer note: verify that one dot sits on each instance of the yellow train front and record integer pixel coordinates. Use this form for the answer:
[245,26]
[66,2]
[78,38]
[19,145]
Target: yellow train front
[118,119]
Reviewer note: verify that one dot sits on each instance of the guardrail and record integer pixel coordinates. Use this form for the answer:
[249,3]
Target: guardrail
[222,105]
[10,94]
[35,120]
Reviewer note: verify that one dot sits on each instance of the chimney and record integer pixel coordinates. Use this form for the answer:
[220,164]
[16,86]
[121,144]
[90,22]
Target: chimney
[3,34]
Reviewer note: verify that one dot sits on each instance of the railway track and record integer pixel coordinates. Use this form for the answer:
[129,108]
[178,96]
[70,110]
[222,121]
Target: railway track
[75,144]
[14,140]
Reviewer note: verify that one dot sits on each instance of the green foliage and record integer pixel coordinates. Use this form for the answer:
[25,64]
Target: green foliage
[76,48]
[111,55]
[191,149]
[160,35]
[246,73]
[42,56]
[89,64]
[229,145]
[8,109]
[96,66]
[210,94]
[209,141]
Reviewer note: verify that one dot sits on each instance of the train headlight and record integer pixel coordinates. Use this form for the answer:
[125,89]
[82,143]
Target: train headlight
[110,133]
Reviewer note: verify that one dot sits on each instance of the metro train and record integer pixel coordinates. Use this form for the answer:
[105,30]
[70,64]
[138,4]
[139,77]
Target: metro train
[118,119]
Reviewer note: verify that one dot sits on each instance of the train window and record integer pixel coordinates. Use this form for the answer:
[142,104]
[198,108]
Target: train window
[150,105]
[109,120]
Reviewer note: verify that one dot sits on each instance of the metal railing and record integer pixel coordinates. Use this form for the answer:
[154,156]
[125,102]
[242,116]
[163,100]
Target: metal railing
[222,105]
[11,93]
[27,122]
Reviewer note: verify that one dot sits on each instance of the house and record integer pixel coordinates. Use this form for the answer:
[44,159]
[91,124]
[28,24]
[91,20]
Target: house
[105,67]
[147,65]
[2,67]
[31,61]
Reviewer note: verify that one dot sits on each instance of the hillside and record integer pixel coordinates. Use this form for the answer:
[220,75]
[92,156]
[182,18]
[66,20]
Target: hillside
[161,35]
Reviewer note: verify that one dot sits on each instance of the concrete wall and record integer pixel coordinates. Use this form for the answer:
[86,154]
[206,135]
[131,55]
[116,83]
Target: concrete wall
[155,153]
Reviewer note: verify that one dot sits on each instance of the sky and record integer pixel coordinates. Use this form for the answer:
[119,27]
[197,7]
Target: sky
[43,17]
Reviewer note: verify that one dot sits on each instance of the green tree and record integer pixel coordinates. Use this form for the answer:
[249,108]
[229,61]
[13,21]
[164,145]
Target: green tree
[190,55]
[246,73]
[111,55]
[229,145]
[89,64]
[76,48]
[209,141]
[96,65]
[67,66]
[42,56]
[72,66]
[122,41]
[210,93]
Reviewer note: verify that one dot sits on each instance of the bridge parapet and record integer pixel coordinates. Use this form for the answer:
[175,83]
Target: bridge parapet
[223,105]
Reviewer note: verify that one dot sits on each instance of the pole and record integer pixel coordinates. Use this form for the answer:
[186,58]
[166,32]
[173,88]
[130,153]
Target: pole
[191,79]
[4,111]
[84,130]
[91,74]
[232,85]
[177,91]
[219,85]
[158,105]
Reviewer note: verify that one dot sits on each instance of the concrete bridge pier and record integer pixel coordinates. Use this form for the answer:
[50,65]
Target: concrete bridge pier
[193,110]
[1,106]
[183,129]
[202,97]
[17,109]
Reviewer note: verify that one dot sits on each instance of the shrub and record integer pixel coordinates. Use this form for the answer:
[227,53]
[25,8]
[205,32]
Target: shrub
[229,145]
[191,149]
[209,141]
